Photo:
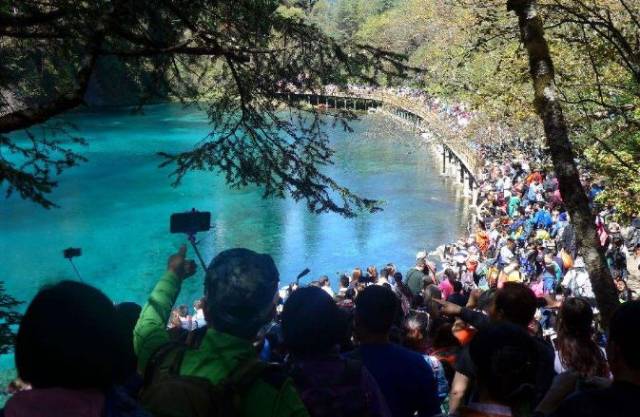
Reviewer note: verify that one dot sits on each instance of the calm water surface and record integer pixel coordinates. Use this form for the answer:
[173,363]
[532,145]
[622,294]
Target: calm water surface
[116,207]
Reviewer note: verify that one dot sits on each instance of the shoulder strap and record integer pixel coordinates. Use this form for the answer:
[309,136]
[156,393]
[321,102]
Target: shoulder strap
[158,358]
[246,373]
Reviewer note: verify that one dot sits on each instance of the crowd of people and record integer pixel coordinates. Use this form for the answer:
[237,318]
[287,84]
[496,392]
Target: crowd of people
[382,345]
[502,322]
[457,114]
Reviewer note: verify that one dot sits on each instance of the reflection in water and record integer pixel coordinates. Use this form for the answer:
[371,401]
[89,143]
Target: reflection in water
[117,206]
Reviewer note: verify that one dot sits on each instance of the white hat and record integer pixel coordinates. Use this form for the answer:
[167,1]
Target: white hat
[421,255]
[579,262]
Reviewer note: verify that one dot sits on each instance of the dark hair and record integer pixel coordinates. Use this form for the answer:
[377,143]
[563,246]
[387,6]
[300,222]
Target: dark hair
[443,336]
[344,280]
[376,309]
[384,272]
[576,348]
[183,310]
[486,299]
[350,294]
[312,322]
[505,358]
[457,286]
[516,302]
[398,277]
[76,355]
[450,274]
[623,332]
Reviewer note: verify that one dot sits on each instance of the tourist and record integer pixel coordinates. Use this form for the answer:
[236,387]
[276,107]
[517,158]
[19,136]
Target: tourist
[325,285]
[505,359]
[383,278]
[445,347]
[579,361]
[405,379]
[507,255]
[392,270]
[514,303]
[458,296]
[356,276]
[372,274]
[402,292]
[482,238]
[577,281]
[617,256]
[186,321]
[313,328]
[621,398]
[415,338]
[414,278]
[241,290]
[199,320]
[175,330]
[633,265]
[344,286]
[624,292]
[446,286]
[72,369]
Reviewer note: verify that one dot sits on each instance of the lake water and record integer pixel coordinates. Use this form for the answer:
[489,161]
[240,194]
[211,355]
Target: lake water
[116,207]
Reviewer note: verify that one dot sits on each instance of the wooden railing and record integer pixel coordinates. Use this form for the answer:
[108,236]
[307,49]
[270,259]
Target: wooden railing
[437,125]
[430,120]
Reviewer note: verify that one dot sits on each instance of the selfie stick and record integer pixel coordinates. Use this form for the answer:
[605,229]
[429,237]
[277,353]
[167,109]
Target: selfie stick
[192,239]
[75,269]
[301,274]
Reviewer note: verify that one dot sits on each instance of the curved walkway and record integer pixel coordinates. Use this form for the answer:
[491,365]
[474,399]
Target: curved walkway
[424,119]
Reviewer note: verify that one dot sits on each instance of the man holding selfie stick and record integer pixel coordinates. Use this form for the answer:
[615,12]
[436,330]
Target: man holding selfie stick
[241,293]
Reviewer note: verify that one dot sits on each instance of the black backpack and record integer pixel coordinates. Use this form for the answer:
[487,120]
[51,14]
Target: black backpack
[166,393]
[333,395]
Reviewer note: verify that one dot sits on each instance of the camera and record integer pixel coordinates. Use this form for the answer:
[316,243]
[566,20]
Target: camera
[72,253]
[190,222]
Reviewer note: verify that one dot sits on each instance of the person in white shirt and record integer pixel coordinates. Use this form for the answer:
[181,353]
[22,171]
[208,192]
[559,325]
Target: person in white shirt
[198,319]
[577,280]
[506,252]
[186,321]
[326,286]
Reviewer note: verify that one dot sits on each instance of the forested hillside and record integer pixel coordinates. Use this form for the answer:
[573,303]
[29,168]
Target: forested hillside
[470,51]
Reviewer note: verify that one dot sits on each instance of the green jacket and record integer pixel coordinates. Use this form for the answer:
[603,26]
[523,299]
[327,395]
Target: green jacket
[414,280]
[216,357]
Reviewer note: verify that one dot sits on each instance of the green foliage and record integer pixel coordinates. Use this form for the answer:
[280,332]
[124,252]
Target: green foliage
[233,59]
[470,52]
[9,318]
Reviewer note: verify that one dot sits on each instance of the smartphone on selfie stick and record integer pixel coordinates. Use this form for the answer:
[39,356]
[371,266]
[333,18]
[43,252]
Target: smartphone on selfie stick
[190,223]
[71,253]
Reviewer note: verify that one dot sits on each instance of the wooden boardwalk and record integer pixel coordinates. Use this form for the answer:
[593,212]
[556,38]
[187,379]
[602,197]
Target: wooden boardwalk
[455,150]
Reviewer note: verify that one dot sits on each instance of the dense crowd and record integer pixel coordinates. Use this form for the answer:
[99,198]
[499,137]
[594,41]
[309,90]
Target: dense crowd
[500,323]
[457,114]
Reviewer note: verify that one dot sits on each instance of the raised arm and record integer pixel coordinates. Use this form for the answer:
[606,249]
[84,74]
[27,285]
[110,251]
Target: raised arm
[150,332]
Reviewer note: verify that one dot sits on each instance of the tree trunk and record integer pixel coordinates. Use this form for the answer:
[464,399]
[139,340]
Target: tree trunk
[557,139]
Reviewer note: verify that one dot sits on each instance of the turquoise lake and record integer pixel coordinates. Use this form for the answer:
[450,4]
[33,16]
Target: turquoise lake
[116,207]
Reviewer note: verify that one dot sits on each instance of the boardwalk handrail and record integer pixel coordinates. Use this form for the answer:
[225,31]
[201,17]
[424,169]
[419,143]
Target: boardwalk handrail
[443,132]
